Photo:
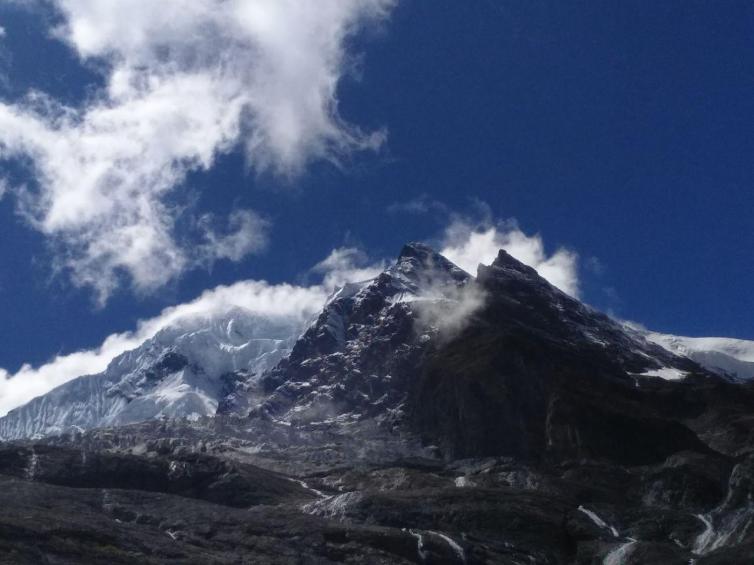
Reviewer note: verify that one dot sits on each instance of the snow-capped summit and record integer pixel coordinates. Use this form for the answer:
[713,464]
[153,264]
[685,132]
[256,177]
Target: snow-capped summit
[732,358]
[183,371]
[420,269]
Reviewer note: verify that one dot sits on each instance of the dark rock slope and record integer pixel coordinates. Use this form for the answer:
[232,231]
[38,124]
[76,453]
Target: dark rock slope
[538,375]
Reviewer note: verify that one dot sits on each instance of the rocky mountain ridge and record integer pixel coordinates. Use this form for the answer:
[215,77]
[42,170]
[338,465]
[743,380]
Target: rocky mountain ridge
[425,416]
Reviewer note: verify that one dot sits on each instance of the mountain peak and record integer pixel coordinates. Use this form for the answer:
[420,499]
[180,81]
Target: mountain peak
[422,264]
[416,249]
[505,260]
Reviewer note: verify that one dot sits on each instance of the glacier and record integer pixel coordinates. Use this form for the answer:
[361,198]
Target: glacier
[183,371]
[729,357]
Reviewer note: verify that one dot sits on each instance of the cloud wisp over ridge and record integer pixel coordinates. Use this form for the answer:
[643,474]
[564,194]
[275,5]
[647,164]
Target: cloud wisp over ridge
[468,244]
[184,82]
[469,239]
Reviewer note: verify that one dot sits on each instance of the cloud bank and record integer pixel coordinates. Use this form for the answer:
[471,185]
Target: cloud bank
[185,81]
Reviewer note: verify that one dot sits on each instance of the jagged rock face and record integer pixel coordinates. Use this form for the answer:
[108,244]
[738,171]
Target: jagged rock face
[536,374]
[356,361]
[183,371]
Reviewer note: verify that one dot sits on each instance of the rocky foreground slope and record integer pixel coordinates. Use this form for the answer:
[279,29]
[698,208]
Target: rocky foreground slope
[426,416]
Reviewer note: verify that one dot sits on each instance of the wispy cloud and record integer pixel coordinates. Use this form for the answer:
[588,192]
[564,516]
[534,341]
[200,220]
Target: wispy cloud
[184,83]
[422,204]
[450,308]
[246,233]
[347,264]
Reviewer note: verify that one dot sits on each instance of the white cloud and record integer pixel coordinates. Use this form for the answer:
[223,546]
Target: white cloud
[3,33]
[260,297]
[185,81]
[468,244]
[422,204]
[453,313]
[246,234]
[347,264]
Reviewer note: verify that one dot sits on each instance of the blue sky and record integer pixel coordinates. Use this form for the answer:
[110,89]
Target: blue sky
[620,131]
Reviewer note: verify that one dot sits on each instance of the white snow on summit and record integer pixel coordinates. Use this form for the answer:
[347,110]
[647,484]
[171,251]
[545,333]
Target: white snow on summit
[729,357]
[177,373]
